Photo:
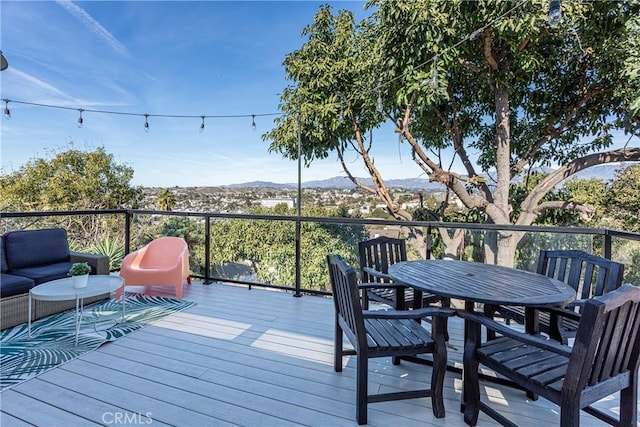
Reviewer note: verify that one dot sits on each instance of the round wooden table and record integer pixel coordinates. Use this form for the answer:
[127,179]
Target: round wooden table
[484,283]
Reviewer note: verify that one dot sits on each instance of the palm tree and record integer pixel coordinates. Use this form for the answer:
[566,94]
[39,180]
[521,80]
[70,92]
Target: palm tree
[166,200]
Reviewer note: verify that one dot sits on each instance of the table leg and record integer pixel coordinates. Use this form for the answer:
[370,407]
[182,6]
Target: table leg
[78,318]
[532,326]
[532,320]
[123,304]
[469,331]
[29,314]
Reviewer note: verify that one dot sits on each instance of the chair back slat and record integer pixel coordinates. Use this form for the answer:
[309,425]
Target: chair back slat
[606,343]
[346,298]
[590,275]
[379,254]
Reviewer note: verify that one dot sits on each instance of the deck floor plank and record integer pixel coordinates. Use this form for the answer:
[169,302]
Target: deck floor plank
[249,358]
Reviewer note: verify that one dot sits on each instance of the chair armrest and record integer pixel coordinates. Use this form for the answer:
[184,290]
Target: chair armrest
[99,263]
[409,314]
[504,330]
[561,311]
[375,273]
[579,303]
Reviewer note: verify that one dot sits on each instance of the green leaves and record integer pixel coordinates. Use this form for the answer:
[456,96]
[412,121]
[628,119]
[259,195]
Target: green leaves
[70,180]
[269,246]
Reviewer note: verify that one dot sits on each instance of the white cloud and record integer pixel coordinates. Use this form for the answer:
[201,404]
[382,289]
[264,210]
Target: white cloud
[94,26]
[37,82]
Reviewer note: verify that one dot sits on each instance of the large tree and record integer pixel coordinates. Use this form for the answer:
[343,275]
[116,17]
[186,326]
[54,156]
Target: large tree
[489,77]
[73,180]
[70,180]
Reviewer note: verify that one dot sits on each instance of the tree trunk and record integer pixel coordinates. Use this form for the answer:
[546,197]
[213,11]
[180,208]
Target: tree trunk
[501,249]
[507,244]
[451,244]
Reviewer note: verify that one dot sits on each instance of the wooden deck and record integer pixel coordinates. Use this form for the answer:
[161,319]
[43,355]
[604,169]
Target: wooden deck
[243,357]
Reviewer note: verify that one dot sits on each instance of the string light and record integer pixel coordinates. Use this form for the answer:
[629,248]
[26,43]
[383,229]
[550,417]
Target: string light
[146,115]
[555,13]
[80,121]
[7,113]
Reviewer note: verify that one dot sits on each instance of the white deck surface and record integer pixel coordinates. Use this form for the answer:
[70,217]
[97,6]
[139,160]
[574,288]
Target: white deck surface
[249,358]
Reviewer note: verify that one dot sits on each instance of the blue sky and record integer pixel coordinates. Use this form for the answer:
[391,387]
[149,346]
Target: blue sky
[176,58]
[157,57]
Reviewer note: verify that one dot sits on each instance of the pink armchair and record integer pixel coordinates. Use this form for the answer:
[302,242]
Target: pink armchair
[162,262]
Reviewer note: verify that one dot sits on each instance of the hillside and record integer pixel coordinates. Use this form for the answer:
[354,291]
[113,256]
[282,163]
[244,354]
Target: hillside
[604,172]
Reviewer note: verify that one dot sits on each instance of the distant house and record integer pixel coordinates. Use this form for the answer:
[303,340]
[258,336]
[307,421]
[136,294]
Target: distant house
[386,231]
[271,203]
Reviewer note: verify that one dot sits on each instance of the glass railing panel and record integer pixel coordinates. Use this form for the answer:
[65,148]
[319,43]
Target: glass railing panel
[532,243]
[261,249]
[92,232]
[146,227]
[627,252]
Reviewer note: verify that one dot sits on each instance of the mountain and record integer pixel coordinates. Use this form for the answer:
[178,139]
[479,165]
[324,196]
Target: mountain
[604,172]
[344,183]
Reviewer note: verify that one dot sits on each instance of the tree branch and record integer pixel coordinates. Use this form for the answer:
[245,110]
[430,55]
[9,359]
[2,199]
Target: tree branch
[585,210]
[553,132]
[530,204]
[470,66]
[351,177]
[488,54]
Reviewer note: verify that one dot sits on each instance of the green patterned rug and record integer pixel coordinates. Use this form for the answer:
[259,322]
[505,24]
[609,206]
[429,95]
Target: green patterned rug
[53,338]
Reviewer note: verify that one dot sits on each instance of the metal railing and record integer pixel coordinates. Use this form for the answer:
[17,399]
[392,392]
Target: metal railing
[605,237]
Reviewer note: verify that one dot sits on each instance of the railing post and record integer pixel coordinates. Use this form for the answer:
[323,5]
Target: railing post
[606,245]
[429,241]
[207,250]
[297,293]
[127,232]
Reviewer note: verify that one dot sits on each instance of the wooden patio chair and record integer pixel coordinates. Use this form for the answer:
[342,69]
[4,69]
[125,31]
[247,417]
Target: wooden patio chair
[376,255]
[382,334]
[590,275]
[603,360]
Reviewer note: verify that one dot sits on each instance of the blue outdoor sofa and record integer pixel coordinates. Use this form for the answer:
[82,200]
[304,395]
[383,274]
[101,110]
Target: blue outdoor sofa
[31,257]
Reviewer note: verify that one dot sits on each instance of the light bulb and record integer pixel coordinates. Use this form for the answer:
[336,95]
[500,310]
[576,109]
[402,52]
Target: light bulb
[253,122]
[7,112]
[146,123]
[475,34]
[80,121]
[379,105]
[555,13]
[434,78]
[202,125]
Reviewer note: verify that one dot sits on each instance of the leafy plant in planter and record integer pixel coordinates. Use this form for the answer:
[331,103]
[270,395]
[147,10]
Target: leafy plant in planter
[79,269]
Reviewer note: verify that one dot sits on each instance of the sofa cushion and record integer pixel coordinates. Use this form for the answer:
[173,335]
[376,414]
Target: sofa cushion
[29,248]
[14,285]
[3,258]
[45,273]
